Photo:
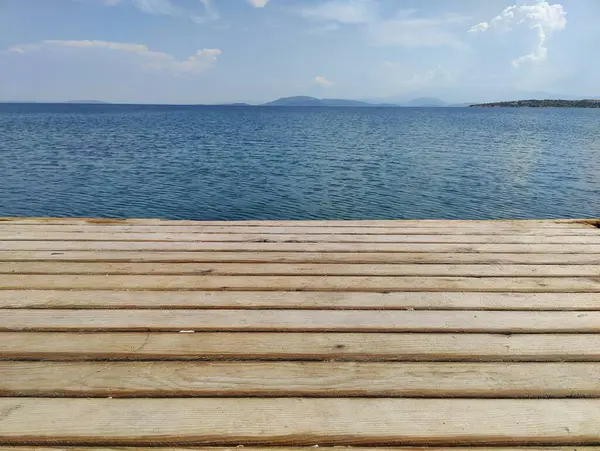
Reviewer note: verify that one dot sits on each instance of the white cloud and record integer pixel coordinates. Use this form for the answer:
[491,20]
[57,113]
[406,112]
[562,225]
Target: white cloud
[541,17]
[258,3]
[479,27]
[405,29]
[202,60]
[322,81]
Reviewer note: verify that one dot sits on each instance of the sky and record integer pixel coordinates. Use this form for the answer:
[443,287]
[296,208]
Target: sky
[214,51]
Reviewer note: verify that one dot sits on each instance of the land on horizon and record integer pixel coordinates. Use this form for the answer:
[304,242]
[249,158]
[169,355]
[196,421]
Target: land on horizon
[546,103]
[429,102]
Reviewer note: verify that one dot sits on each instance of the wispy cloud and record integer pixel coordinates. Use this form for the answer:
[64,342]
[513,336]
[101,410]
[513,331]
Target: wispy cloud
[342,11]
[541,17]
[406,79]
[322,81]
[202,60]
[410,31]
[206,11]
[258,3]
[405,29]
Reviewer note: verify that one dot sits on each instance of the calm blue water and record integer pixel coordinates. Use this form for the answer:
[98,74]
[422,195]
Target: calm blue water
[298,163]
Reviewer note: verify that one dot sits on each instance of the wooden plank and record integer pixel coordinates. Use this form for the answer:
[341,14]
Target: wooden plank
[299,421]
[296,300]
[183,246]
[301,257]
[299,321]
[300,346]
[321,448]
[287,269]
[277,379]
[114,237]
[301,283]
[481,229]
[544,223]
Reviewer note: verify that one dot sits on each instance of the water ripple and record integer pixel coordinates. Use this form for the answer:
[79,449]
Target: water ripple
[232,163]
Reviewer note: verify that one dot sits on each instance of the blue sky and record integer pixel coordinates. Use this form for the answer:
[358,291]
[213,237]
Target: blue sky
[206,51]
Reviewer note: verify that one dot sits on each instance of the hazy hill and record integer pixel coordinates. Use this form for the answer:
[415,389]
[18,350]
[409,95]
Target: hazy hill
[313,101]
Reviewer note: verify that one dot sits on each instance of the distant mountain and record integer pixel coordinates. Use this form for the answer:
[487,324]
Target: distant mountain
[345,102]
[313,101]
[296,101]
[86,101]
[235,104]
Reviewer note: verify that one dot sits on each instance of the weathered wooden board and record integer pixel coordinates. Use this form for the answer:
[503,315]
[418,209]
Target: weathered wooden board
[114,237]
[524,223]
[299,321]
[299,421]
[300,346]
[304,448]
[301,257]
[301,283]
[276,379]
[383,229]
[293,269]
[265,246]
[297,300]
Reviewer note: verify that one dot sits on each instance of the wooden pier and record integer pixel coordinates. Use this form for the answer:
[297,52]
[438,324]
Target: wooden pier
[150,333]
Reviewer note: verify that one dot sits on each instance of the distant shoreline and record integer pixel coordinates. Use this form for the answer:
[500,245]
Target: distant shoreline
[547,103]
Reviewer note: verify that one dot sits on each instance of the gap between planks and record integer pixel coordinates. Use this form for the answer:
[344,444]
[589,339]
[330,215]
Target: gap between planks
[291,346]
[306,379]
[57,299]
[12,320]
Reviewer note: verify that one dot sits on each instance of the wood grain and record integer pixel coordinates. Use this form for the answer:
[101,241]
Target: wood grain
[266,246]
[299,321]
[592,239]
[382,229]
[300,346]
[300,257]
[375,333]
[299,421]
[537,223]
[300,283]
[296,300]
[304,448]
[293,269]
[276,379]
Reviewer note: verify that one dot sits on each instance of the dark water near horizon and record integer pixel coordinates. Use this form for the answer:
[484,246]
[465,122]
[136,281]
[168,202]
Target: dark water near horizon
[227,163]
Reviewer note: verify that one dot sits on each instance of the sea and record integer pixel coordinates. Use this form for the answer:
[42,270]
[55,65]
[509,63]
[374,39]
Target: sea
[239,163]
